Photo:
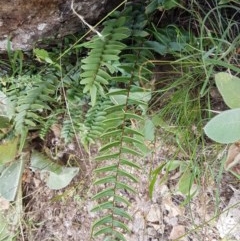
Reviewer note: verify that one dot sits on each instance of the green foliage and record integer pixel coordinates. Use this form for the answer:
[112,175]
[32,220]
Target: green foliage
[102,57]
[104,97]
[228,85]
[113,116]
[161,5]
[225,127]
[58,176]
[10,178]
[93,124]
[169,40]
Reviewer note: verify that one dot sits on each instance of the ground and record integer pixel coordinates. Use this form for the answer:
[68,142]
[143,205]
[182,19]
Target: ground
[65,214]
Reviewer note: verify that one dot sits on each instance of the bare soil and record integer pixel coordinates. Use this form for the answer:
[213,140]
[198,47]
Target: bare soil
[61,215]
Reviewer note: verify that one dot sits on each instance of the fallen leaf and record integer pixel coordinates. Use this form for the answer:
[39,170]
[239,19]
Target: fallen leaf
[154,214]
[172,209]
[177,232]
[233,158]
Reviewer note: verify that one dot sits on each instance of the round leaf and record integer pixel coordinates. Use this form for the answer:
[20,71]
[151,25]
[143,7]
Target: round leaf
[229,87]
[225,127]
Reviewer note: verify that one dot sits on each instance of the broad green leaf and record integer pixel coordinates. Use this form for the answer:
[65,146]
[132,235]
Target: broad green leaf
[141,146]
[115,108]
[143,95]
[57,181]
[91,67]
[149,130]
[157,47]
[4,104]
[225,127]
[40,161]
[109,57]
[172,165]
[229,87]
[118,99]
[41,53]
[59,176]
[137,102]
[185,184]
[10,219]
[10,178]
[92,60]
[8,150]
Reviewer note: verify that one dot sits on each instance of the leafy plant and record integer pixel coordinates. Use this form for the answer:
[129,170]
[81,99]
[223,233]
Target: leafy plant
[225,127]
[128,105]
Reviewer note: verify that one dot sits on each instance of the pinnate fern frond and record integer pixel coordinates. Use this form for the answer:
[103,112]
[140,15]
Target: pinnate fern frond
[30,96]
[93,125]
[123,143]
[99,62]
[116,165]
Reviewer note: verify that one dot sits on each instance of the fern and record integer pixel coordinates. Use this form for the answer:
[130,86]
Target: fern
[115,159]
[97,65]
[30,97]
[93,125]
[122,140]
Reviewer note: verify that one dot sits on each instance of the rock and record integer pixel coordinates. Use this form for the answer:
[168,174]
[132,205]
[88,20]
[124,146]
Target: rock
[228,223]
[25,22]
[154,215]
[177,232]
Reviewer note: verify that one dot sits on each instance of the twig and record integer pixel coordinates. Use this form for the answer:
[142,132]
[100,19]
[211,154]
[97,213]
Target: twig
[82,19]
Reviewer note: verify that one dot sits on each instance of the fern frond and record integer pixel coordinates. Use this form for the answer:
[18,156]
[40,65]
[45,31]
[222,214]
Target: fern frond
[93,125]
[122,140]
[115,159]
[30,97]
[99,61]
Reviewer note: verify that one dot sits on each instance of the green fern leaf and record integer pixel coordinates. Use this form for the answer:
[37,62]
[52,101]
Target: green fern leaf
[121,199]
[129,163]
[105,193]
[107,168]
[94,74]
[126,174]
[107,157]
[111,133]
[107,179]
[131,151]
[109,145]
[102,206]
[121,185]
